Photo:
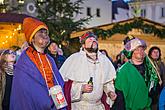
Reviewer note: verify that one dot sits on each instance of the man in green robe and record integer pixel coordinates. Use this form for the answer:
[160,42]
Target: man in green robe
[135,79]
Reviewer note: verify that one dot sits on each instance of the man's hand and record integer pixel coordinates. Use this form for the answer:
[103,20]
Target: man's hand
[87,88]
[112,95]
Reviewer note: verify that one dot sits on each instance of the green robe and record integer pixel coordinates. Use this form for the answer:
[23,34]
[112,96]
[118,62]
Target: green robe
[133,86]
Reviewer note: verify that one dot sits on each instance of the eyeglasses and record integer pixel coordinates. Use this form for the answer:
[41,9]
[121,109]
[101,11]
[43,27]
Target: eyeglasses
[10,52]
[14,53]
[7,52]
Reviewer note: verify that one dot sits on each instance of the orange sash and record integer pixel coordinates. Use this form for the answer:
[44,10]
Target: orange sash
[42,65]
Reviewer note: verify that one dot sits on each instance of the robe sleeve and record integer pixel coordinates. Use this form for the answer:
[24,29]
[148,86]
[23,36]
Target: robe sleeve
[71,93]
[109,87]
[76,91]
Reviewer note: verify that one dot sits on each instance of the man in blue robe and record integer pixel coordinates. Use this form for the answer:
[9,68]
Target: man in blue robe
[35,71]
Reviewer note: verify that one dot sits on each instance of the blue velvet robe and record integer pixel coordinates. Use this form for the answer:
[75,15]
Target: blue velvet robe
[29,90]
[162,100]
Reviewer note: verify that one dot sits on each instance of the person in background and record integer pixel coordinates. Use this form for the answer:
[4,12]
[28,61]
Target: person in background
[35,73]
[55,52]
[7,61]
[87,74]
[124,55]
[120,60]
[135,79]
[162,100]
[103,51]
[23,47]
[155,56]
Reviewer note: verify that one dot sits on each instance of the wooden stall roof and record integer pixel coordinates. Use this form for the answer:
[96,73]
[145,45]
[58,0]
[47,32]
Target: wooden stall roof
[109,26]
[12,17]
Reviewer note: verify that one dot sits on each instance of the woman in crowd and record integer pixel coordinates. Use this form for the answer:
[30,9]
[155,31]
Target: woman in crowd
[7,60]
[155,56]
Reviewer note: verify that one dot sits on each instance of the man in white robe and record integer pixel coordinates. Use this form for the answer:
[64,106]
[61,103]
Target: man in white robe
[80,66]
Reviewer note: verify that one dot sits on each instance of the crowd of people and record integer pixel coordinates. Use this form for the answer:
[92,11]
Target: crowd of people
[39,77]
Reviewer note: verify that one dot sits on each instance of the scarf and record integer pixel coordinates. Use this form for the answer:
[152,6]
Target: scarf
[151,77]
[43,65]
[8,69]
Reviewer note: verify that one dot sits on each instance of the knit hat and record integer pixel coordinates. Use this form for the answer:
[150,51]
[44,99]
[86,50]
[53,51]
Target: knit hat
[128,38]
[87,35]
[31,26]
[134,43]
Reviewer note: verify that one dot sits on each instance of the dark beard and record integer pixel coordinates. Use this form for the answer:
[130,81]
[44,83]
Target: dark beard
[92,50]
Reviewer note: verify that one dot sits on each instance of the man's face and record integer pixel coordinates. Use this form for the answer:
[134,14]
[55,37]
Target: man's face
[139,54]
[155,54]
[91,44]
[41,38]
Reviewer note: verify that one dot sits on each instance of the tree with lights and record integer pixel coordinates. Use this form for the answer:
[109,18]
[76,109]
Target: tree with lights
[59,16]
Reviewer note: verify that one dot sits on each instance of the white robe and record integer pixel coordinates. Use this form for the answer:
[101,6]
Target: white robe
[79,69]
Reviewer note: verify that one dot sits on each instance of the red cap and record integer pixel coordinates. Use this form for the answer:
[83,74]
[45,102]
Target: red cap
[87,35]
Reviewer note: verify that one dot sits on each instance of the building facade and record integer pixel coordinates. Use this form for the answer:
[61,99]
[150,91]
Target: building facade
[120,11]
[99,10]
[150,9]
[104,11]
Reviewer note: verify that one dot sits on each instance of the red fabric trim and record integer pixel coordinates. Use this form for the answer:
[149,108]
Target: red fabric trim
[67,90]
[103,100]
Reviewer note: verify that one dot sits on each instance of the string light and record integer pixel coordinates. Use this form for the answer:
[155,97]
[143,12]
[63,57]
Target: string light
[11,35]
